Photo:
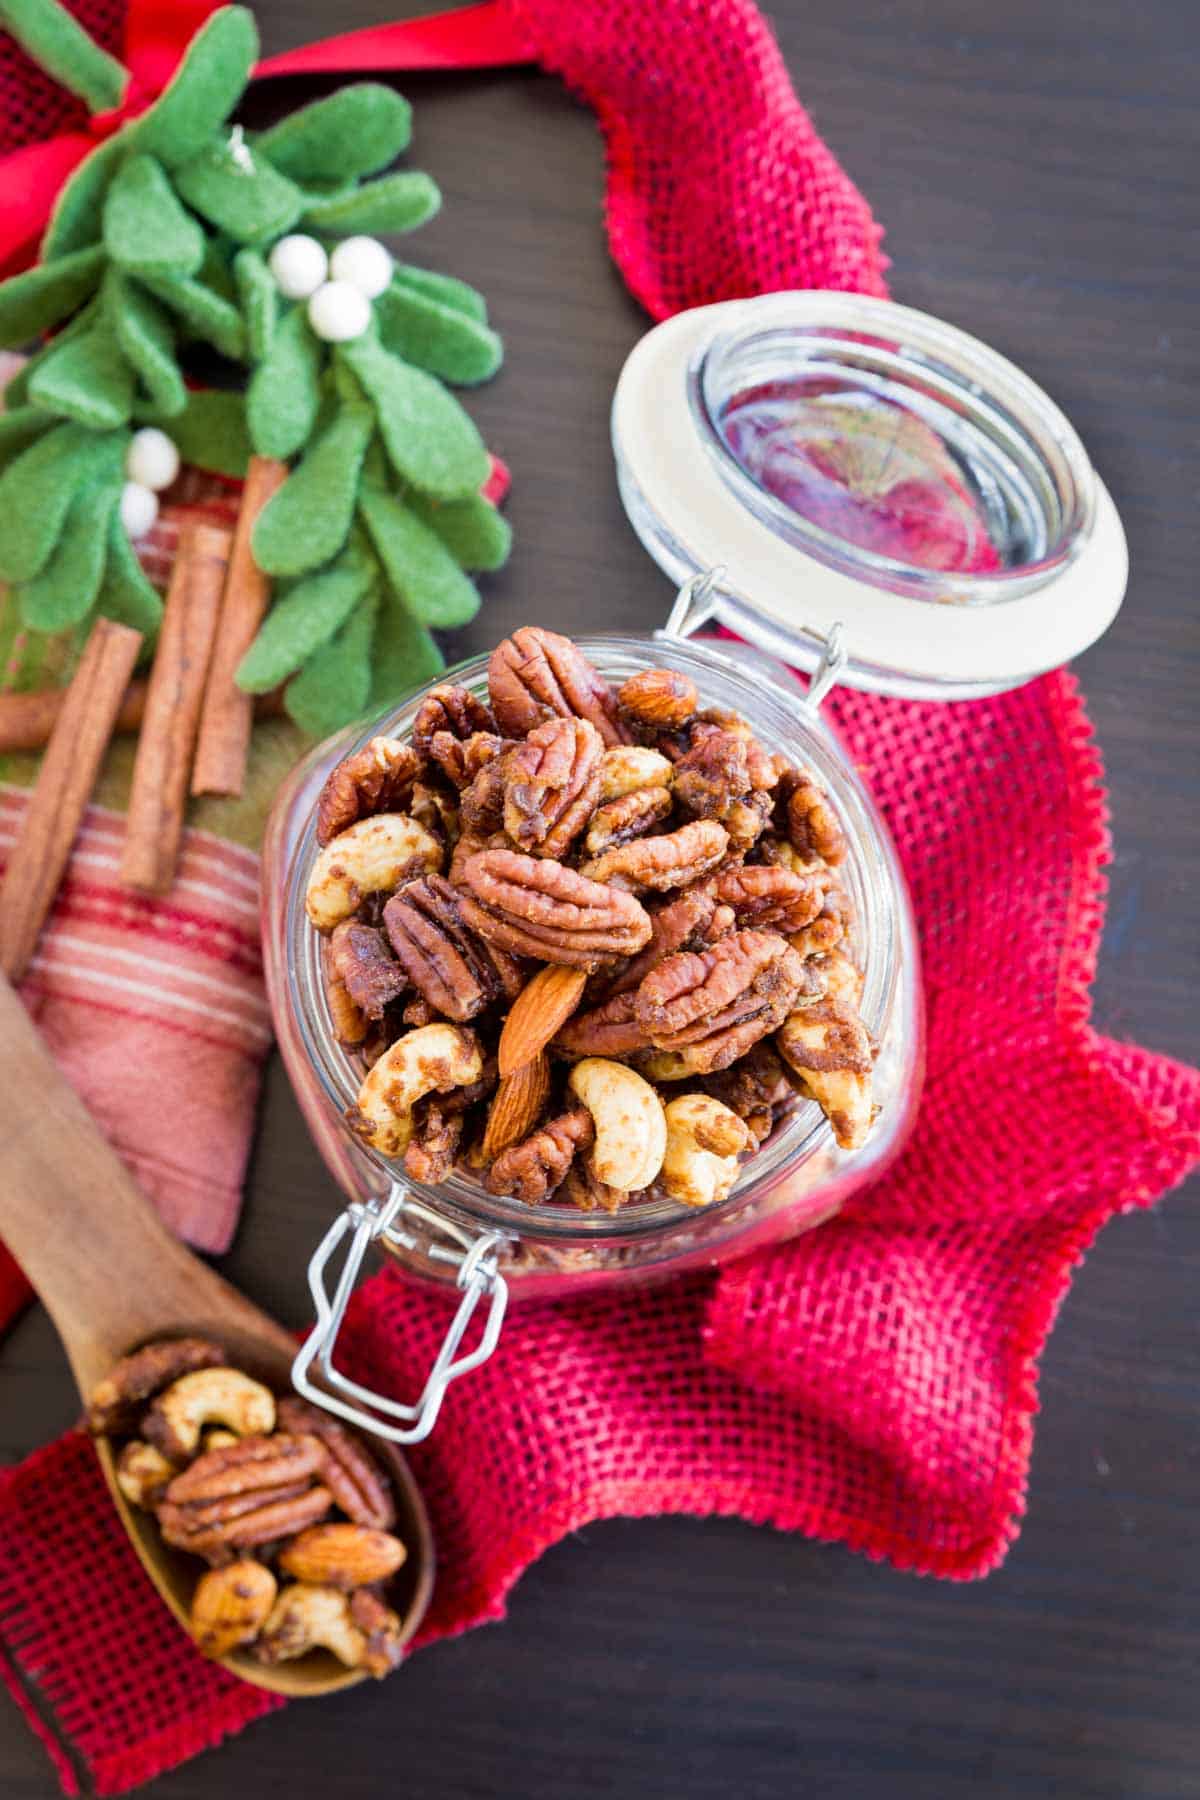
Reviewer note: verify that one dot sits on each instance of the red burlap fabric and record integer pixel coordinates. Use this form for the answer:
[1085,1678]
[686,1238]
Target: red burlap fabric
[874,1383]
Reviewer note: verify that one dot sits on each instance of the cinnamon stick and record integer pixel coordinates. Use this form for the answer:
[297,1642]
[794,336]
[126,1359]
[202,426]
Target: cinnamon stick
[27,720]
[225,722]
[158,796]
[81,734]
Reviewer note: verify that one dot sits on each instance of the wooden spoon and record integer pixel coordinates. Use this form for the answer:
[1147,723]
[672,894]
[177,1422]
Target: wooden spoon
[111,1277]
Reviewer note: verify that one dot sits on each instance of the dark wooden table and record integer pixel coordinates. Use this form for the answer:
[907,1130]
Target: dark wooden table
[1035,166]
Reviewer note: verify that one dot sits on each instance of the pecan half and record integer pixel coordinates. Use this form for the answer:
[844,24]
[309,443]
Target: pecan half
[662,698]
[632,816]
[247,1466]
[248,1520]
[764,896]
[691,919]
[551,786]
[361,961]
[804,814]
[119,1398]
[376,779]
[532,1170]
[361,1489]
[461,759]
[518,1105]
[448,963]
[674,860]
[612,1029]
[351,1027]
[713,1004]
[536,675]
[452,709]
[533,906]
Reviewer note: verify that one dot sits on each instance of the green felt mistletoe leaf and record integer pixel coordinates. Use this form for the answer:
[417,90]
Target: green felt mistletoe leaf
[432,443]
[211,432]
[126,593]
[147,341]
[354,132]
[334,685]
[403,656]
[60,45]
[252,204]
[448,290]
[308,520]
[259,300]
[204,313]
[64,591]
[476,535]
[42,296]
[306,617]
[443,339]
[146,230]
[76,219]
[284,394]
[392,204]
[86,378]
[204,89]
[20,427]
[36,490]
[417,562]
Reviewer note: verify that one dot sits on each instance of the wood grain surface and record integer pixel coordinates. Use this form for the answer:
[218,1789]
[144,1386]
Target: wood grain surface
[1035,166]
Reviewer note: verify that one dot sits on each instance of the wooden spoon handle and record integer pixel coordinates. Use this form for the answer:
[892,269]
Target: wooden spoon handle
[108,1271]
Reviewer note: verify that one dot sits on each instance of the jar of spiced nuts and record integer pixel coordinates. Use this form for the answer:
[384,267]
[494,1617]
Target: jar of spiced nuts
[595,963]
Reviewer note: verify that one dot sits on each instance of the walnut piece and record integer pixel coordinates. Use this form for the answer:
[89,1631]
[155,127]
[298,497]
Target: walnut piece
[536,675]
[757,1088]
[452,709]
[461,759]
[552,785]
[437,1134]
[718,771]
[711,1005]
[805,814]
[361,962]
[376,779]
[533,906]
[532,1170]
[452,967]
[674,860]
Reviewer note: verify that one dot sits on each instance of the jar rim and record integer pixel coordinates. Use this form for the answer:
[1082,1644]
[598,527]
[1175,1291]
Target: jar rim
[884,943]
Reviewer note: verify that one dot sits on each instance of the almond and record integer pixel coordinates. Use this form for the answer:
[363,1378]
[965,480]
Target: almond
[342,1556]
[542,1006]
[517,1107]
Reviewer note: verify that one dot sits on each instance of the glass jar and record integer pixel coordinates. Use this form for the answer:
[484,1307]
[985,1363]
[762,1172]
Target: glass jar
[860,491]
[796,1180]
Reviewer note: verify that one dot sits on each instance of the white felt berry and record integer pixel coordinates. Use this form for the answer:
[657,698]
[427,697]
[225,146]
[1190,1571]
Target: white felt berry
[299,265]
[152,458]
[364,263]
[139,509]
[338,312]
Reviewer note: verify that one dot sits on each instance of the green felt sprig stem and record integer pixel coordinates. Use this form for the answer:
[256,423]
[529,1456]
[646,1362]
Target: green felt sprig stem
[59,44]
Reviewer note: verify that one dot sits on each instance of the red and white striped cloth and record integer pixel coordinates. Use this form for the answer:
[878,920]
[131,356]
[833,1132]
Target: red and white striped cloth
[155,1011]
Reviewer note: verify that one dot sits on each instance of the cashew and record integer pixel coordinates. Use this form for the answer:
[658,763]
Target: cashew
[218,1439]
[309,1618]
[631,1129]
[205,1397]
[230,1605]
[631,766]
[704,1138]
[827,1046]
[368,856]
[432,1057]
[143,1473]
[667,1065]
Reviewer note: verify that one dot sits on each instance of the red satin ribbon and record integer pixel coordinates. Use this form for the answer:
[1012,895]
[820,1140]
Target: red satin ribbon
[156,36]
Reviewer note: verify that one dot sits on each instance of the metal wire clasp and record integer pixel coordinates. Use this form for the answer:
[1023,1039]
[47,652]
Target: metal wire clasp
[473,1258]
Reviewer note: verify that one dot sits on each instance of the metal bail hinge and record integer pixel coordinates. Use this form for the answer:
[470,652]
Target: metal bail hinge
[473,1258]
[695,603]
[828,671]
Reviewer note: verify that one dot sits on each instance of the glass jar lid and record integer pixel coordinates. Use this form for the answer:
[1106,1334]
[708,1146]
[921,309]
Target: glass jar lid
[844,459]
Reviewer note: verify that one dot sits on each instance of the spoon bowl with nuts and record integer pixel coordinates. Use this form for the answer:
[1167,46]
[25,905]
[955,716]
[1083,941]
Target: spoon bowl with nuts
[319,1552]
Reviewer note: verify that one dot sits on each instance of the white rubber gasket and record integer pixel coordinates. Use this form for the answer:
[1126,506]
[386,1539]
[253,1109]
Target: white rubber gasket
[974,648]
